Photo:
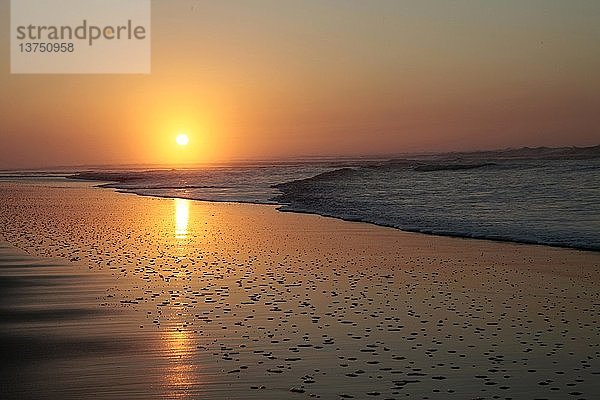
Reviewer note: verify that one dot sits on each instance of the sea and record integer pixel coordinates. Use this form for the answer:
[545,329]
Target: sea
[545,196]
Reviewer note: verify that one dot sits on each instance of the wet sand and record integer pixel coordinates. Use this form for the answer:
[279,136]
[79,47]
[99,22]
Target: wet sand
[57,338]
[123,296]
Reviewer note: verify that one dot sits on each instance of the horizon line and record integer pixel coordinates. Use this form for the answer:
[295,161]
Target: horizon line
[293,159]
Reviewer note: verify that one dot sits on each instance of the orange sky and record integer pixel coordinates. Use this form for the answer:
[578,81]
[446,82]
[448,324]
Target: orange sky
[272,80]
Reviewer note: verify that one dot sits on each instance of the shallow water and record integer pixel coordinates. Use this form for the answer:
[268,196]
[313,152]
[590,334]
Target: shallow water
[552,201]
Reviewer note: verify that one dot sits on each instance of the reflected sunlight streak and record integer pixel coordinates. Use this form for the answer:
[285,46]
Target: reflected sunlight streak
[182,217]
[180,378]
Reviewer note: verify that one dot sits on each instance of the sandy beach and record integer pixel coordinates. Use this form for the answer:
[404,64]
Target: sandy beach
[111,295]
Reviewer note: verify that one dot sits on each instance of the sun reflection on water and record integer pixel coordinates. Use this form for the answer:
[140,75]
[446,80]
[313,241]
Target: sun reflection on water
[180,377]
[182,217]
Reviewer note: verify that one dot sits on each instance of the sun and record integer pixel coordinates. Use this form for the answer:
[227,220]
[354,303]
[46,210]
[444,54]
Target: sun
[182,139]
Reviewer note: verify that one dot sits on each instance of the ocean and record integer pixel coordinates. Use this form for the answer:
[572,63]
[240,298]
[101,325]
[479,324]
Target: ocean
[540,196]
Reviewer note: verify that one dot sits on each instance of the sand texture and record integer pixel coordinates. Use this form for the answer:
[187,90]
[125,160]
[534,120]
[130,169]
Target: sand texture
[121,296]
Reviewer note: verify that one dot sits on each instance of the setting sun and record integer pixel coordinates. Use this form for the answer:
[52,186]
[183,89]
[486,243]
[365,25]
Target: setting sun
[182,139]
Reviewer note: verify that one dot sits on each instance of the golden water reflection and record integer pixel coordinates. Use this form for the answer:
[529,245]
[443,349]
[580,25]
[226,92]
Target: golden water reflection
[180,378]
[182,217]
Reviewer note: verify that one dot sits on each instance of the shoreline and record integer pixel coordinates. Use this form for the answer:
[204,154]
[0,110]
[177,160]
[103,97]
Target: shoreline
[281,208]
[242,301]
[284,207]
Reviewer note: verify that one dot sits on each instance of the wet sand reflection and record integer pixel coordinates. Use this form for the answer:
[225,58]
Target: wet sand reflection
[182,218]
[181,373]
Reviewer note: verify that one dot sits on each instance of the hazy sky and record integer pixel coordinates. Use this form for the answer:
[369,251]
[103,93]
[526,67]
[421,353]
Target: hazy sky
[280,79]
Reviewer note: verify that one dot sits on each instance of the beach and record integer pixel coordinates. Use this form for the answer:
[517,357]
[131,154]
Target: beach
[113,295]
